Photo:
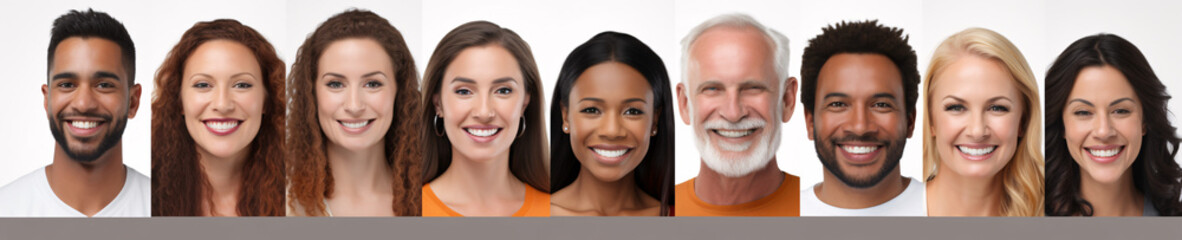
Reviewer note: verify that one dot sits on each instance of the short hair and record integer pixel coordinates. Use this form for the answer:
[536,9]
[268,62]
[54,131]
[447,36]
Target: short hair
[1154,171]
[529,153]
[93,24]
[776,41]
[654,174]
[1022,177]
[859,37]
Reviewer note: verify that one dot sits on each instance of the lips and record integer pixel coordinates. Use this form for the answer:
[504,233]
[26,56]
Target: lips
[860,153]
[610,154]
[976,152]
[221,126]
[355,126]
[84,127]
[483,133]
[1105,154]
[734,133]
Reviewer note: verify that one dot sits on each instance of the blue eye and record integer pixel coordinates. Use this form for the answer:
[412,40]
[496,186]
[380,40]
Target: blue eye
[954,108]
[999,108]
[243,85]
[504,91]
[463,92]
[373,84]
[334,84]
[201,85]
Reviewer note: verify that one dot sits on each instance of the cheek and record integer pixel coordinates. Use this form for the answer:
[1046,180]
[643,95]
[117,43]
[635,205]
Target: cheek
[326,103]
[382,103]
[1074,131]
[254,102]
[946,127]
[762,105]
[1007,128]
[192,104]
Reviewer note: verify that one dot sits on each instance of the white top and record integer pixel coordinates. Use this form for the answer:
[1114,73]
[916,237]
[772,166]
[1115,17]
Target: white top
[911,202]
[31,196]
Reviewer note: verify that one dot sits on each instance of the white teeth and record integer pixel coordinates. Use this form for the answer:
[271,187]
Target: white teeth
[483,132]
[221,125]
[734,134]
[610,153]
[84,124]
[355,125]
[1104,153]
[976,151]
[859,149]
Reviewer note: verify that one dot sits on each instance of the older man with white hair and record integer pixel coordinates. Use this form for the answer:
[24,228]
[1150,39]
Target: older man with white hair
[736,93]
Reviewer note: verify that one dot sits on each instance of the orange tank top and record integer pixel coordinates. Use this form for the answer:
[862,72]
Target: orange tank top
[785,201]
[536,204]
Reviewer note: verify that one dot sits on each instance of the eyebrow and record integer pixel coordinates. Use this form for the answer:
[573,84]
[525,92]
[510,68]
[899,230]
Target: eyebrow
[832,95]
[990,100]
[105,74]
[601,100]
[469,80]
[65,75]
[883,95]
[332,74]
[374,73]
[1120,100]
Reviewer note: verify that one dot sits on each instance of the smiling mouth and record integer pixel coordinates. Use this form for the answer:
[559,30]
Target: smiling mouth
[611,153]
[483,132]
[859,149]
[355,124]
[976,151]
[222,126]
[733,133]
[84,124]
[1105,152]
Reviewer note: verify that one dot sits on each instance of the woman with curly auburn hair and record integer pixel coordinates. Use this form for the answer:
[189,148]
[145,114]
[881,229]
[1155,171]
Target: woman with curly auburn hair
[1111,150]
[981,129]
[218,125]
[354,126]
[486,150]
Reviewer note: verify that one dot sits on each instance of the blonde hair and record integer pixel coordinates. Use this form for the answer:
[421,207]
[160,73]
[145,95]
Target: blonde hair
[1022,177]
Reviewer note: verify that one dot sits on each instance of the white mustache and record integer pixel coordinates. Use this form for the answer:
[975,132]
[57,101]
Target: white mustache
[745,123]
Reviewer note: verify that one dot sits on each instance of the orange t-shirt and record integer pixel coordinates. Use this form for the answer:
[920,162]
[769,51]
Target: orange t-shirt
[784,202]
[537,204]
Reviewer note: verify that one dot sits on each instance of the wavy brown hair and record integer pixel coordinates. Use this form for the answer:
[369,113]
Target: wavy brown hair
[529,153]
[310,174]
[178,180]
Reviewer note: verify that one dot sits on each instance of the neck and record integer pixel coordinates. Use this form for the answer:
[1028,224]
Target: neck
[224,175]
[481,178]
[1119,198]
[952,194]
[836,193]
[87,187]
[608,198]
[361,172]
[717,189]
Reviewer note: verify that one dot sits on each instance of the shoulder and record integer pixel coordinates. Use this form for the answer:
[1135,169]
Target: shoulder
[23,185]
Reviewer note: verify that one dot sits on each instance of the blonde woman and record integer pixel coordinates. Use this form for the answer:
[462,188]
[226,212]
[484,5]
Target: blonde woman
[981,129]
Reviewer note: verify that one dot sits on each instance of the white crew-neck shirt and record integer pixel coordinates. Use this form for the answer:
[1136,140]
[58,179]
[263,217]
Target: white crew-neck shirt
[911,202]
[31,196]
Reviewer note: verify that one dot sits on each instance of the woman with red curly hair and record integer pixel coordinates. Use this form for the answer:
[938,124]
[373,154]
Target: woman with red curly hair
[354,121]
[218,125]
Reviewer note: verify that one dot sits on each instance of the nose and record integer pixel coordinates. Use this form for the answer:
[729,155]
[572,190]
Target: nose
[859,122]
[611,128]
[484,109]
[221,100]
[977,130]
[85,101]
[353,104]
[733,110]
[1102,129]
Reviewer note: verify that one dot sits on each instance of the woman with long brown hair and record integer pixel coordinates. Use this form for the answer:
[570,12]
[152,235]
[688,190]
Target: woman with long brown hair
[217,121]
[486,151]
[354,121]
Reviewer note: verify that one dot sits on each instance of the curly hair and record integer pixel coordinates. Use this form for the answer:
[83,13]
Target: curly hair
[529,154]
[1022,177]
[179,183]
[1154,171]
[858,37]
[310,174]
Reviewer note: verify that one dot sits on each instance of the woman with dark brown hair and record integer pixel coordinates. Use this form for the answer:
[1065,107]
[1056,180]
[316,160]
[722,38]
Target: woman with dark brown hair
[354,121]
[217,121]
[486,152]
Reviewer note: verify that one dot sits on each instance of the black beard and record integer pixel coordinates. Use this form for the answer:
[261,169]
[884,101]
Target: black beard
[106,143]
[827,152]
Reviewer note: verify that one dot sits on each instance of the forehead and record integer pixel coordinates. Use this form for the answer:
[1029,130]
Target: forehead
[362,53]
[611,79]
[1101,84]
[728,54]
[222,54]
[483,63]
[89,54]
[859,75]
[973,75]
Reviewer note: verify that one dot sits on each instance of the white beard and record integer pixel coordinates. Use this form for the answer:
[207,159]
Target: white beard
[730,163]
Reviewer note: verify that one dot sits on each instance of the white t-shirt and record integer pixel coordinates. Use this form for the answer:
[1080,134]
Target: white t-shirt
[31,196]
[911,202]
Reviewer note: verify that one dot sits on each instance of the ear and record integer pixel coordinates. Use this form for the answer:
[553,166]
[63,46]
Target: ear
[438,107]
[565,122]
[526,104]
[910,123]
[682,103]
[45,100]
[789,99]
[808,122]
[134,98]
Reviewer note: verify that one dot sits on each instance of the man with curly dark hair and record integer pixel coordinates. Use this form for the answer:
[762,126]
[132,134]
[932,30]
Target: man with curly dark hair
[859,87]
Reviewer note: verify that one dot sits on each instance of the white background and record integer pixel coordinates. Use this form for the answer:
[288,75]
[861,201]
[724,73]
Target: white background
[1040,29]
